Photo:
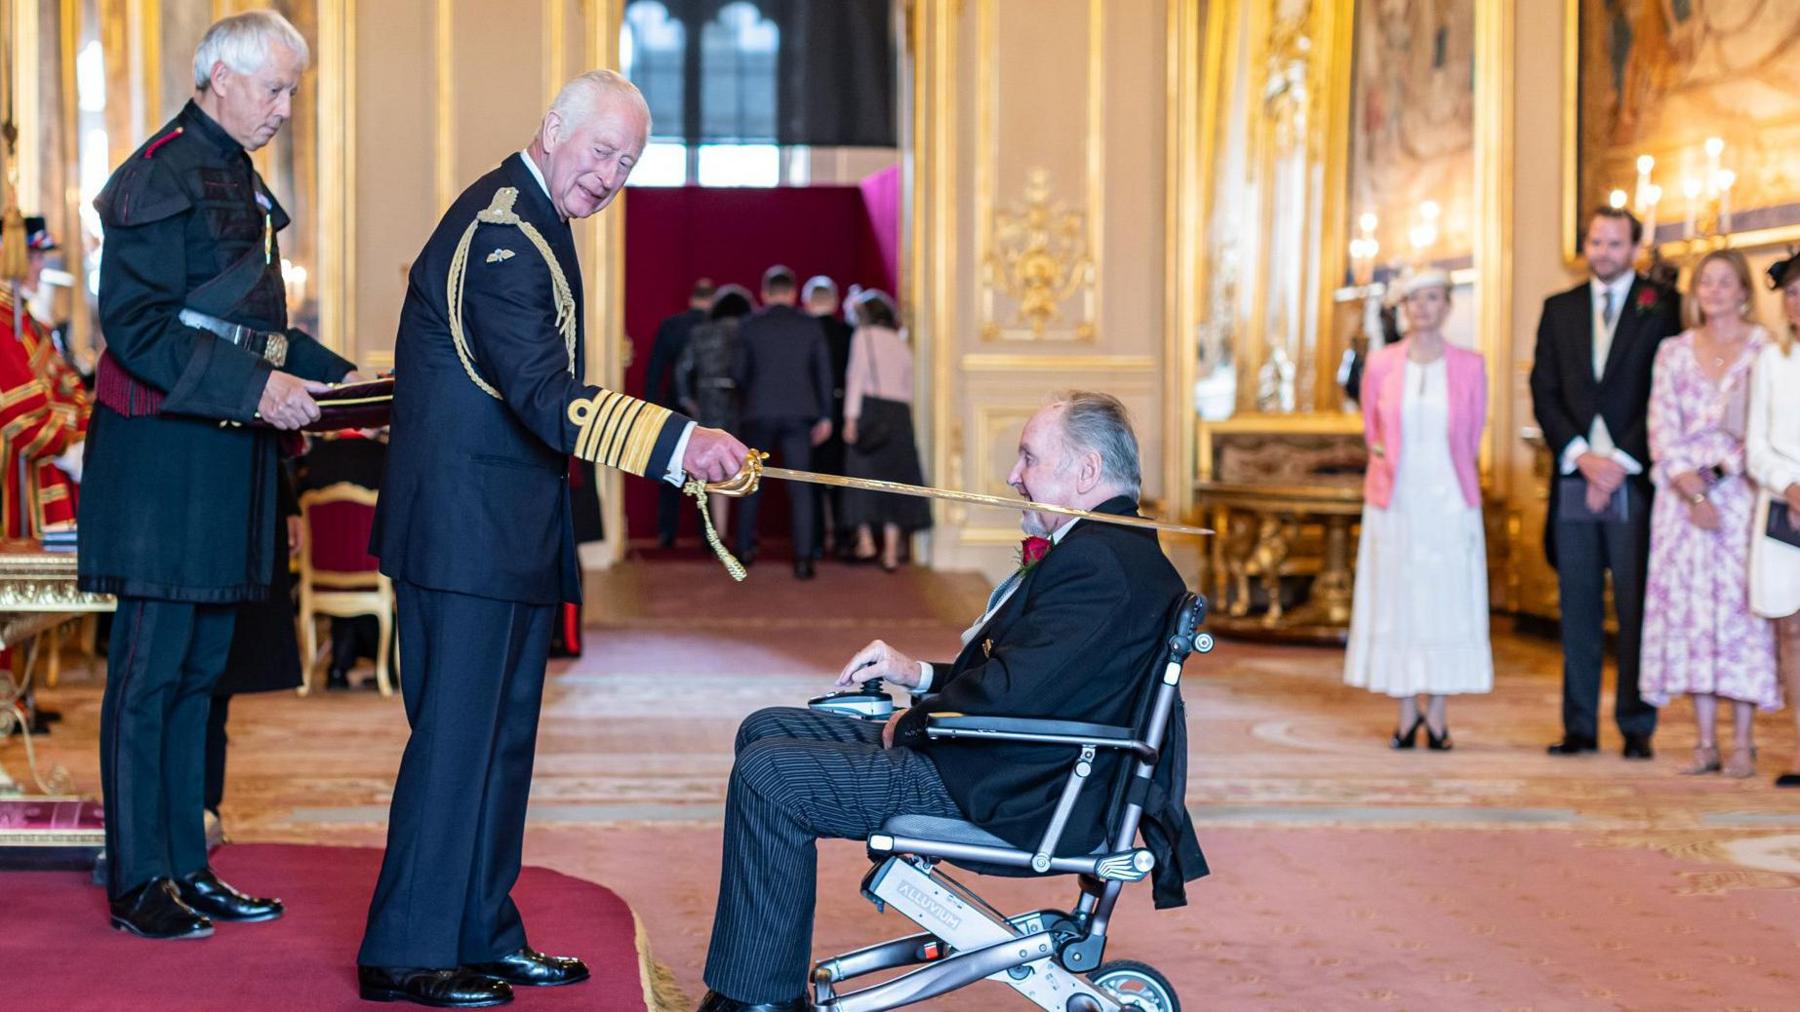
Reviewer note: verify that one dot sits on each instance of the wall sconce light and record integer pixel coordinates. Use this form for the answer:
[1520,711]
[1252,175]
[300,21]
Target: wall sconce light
[1364,249]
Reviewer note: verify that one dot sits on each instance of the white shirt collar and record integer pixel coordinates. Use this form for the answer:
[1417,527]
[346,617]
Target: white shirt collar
[536,173]
[1618,286]
[1056,536]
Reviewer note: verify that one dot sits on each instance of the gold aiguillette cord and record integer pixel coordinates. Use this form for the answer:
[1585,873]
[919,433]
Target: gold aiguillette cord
[748,478]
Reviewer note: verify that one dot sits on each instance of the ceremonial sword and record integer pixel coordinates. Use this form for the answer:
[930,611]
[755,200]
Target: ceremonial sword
[750,476]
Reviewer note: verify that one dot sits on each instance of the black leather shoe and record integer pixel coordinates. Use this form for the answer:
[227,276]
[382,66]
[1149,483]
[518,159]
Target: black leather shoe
[1571,745]
[458,988]
[530,968]
[337,678]
[1637,746]
[155,910]
[207,895]
[803,569]
[716,1002]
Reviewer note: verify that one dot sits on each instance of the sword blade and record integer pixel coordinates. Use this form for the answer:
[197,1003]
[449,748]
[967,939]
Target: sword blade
[978,499]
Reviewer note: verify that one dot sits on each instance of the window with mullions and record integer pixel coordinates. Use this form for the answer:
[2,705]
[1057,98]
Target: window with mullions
[728,65]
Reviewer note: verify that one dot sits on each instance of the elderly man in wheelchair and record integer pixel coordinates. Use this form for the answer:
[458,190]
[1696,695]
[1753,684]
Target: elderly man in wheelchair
[1052,740]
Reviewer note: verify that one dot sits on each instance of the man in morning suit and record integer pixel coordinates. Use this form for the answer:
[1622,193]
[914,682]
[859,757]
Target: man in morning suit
[659,388]
[178,506]
[1068,637]
[1590,390]
[474,526]
[784,371]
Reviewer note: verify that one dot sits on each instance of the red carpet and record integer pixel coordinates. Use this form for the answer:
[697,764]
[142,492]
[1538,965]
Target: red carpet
[58,952]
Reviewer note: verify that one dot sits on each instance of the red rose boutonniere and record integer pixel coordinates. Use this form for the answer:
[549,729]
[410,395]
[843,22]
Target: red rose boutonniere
[1647,300]
[1032,551]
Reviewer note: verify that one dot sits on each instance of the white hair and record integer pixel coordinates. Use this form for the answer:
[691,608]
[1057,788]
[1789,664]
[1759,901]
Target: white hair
[1099,422]
[242,43]
[581,96]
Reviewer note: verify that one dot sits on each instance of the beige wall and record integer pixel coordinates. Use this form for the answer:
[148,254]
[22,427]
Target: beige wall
[1061,101]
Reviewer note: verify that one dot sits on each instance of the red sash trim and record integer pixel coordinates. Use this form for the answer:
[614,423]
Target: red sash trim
[123,392]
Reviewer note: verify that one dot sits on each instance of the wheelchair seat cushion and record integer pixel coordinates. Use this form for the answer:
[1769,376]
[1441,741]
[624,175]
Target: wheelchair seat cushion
[942,830]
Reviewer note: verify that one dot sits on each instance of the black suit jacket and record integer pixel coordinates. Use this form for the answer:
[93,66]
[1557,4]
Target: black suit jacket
[1072,643]
[1566,397]
[783,365]
[671,338]
[475,498]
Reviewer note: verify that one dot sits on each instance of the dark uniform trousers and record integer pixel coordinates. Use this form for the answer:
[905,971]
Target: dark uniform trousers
[1585,552]
[163,659]
[790,439]
[799,776]
[474,678]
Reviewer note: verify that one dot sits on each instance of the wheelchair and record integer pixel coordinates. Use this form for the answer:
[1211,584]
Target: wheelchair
[1054,958]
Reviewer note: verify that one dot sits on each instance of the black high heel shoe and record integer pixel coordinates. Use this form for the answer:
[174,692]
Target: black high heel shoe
[1436,744]
[1409,738]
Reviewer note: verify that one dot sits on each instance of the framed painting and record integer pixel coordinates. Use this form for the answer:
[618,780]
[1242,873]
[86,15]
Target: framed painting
[1686,111]
[1411,171]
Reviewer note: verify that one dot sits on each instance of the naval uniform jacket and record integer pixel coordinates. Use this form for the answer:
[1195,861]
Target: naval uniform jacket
[1075,641]
[176,505]
[475,498]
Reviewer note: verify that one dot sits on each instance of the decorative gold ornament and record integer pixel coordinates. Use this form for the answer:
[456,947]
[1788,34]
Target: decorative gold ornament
[1040,258]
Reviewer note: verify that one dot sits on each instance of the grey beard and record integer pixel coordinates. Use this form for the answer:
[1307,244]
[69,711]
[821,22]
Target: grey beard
[1033,526]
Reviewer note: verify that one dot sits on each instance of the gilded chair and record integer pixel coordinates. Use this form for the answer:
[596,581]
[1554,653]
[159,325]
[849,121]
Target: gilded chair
[338,576]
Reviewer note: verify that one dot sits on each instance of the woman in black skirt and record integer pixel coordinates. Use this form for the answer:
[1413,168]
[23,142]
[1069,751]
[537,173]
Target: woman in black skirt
[878,431]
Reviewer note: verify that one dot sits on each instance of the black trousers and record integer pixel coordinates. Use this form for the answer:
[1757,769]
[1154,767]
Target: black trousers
[790,439]
[474,680]
[799,776]
[216,741]
[162,661]
[1585,552]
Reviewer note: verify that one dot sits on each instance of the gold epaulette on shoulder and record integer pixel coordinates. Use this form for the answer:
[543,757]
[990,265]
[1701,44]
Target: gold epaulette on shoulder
[500,212]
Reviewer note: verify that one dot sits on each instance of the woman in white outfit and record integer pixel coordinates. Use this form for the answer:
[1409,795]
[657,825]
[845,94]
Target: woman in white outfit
[1772,456]
[1419,619]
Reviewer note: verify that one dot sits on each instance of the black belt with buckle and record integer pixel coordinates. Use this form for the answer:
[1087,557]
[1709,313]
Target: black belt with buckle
[267,344]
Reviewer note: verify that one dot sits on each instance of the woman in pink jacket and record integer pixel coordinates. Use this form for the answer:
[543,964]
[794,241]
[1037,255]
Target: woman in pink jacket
[1419,624]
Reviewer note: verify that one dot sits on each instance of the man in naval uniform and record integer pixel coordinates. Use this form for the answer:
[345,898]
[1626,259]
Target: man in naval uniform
[177,506]
[474,528]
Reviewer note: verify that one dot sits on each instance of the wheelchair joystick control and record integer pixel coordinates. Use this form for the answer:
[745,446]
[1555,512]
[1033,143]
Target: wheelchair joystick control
[868,701]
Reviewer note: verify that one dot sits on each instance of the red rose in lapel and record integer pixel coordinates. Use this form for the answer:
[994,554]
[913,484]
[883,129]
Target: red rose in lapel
[1646,299]
[1032,551]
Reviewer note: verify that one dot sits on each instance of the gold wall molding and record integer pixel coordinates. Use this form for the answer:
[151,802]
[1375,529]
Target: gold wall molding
[989,223]
[992,421]
[1038,257]
[929,163]
[1494,185]
[444,58]
[1023,362]
[335,264]
[603,236]
[1195,45]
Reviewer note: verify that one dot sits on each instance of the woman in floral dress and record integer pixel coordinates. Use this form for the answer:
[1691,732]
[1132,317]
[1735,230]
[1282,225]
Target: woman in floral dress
[1700,637]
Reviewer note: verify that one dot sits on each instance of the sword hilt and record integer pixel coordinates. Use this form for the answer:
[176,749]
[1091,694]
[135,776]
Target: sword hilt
[744,482]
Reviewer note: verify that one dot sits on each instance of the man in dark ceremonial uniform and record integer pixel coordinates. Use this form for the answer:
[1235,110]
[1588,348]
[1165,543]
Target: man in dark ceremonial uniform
[474,527]
[177,513]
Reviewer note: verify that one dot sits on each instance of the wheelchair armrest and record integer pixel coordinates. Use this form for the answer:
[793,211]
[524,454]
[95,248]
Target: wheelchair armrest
[1033,731]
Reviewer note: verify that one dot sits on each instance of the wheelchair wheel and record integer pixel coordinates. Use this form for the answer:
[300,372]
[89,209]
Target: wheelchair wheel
[1136,985]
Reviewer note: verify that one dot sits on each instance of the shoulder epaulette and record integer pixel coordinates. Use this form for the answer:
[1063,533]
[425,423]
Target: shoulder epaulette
[500,212]
[150,148]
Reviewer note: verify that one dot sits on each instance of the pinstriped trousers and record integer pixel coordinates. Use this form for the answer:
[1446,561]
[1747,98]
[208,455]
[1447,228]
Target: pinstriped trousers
[799,776]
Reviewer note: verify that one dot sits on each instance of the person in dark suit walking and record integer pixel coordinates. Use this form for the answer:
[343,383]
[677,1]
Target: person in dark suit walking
[784,373]
[1067,636]
[474,526]
[1590,390]
[820,297]
[659,388]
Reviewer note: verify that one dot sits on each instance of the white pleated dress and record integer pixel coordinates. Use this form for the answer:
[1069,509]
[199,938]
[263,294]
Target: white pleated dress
[1419,618]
